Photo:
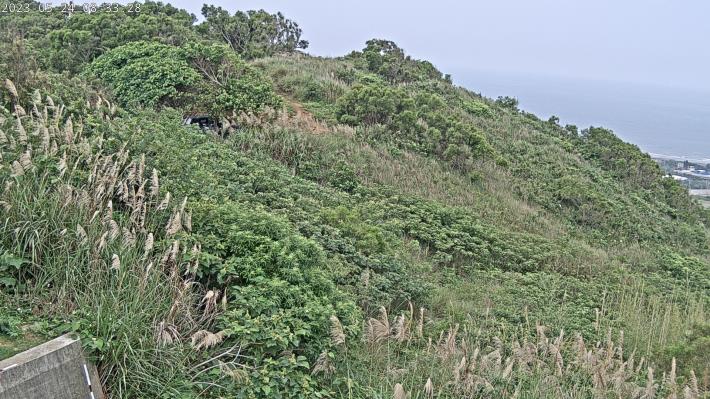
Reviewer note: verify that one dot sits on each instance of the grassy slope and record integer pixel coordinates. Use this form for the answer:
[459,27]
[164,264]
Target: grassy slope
[615,261]
[495,250]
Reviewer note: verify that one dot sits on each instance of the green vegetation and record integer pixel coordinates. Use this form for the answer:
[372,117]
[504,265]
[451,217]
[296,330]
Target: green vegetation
[358,227]
[207,78]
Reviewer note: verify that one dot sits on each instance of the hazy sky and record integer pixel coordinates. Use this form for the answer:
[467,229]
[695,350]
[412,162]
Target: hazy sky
[646,41]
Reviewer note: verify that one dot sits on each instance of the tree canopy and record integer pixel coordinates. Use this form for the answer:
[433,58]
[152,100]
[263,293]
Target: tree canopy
[252,34]
[195,77]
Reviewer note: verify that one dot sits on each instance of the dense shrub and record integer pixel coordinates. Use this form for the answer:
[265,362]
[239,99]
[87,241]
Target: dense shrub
[418,121]
[386,59]
[147,74]
[371,102]
[201,78]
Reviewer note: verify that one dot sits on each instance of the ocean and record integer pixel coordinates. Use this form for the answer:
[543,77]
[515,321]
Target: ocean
[663,121]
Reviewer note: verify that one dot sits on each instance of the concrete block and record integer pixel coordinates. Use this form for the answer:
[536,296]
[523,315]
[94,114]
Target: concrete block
[56,369]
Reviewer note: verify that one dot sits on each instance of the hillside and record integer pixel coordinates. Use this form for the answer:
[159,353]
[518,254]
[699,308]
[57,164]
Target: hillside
[352,227]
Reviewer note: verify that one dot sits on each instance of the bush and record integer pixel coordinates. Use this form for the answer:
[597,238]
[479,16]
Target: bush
[199,78]
[369,103]
[386,59]
[478,108]
[508,102]
[146,74]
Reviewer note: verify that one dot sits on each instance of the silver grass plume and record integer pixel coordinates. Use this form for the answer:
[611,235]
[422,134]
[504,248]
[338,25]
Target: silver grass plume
[102,242]
[378,329]
[69,131]
[337,332]
[114,230]
[154,184]
[46,140]
[650,391]
[204,339]
[174,224]
[108,215]
[17,169]
[429,389]
[165,202]
[141,167]
[36,113]
[21,133]
[323,364]
[115,262]
[420,323]
[129,237]
[148,246]
[62,164]
[12,89]
[80,234]
[20,111]
[399,392]
[187,221]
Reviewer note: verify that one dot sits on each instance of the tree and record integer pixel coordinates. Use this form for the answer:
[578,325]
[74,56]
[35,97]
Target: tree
[228,83]
[369,103]
[204,78]
[252,34]
[68,44]
[19,62]
[508,102]
[146,73]
[388,60]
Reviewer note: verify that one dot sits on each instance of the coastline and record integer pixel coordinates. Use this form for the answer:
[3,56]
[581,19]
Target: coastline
[679,158]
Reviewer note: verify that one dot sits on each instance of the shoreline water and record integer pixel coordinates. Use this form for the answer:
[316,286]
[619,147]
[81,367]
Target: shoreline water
[679,158]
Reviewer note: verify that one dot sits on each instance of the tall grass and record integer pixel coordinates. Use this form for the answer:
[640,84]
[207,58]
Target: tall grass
[306,78]
[653,320]
[91,223]
[399,358]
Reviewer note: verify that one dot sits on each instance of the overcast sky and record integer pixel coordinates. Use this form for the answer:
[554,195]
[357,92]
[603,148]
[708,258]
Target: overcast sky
[661,42]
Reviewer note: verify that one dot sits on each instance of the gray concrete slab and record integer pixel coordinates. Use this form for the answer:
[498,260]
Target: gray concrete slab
[56,369]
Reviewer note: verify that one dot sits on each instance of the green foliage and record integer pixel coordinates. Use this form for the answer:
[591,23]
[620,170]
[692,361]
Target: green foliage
[252,34]
[146,73]
[10,269]
[478,108]
[690,270]
[370,103]
[286,377]
[68,44]
[229,85]
[19,62]
[386,59]
[486,216]
[202,78]
[419,121]
[510,103]
[695,347]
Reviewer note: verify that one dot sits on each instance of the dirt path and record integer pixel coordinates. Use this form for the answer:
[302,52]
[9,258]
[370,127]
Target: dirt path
[304,119]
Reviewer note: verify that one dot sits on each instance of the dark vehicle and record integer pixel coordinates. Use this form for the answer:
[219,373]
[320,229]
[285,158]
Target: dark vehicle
[204,121]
